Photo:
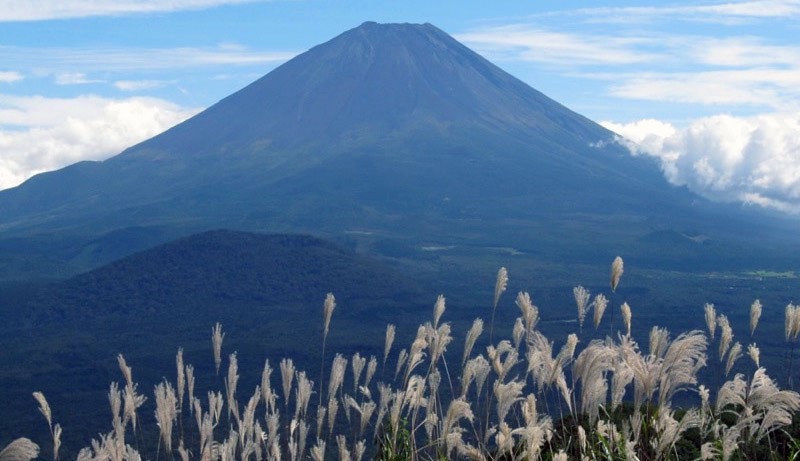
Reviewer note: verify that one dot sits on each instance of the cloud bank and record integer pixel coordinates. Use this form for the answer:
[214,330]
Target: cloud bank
[750,159]
[15,10]
[39,134]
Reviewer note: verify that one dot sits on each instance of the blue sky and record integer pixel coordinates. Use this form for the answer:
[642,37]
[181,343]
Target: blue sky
[712,89]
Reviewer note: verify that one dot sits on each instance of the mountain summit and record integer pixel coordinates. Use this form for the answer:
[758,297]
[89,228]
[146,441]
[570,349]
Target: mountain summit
[393,131]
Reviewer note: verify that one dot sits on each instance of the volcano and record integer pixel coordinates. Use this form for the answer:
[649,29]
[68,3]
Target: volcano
[391,137]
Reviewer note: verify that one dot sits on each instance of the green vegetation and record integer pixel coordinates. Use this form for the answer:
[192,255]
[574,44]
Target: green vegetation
[596,396]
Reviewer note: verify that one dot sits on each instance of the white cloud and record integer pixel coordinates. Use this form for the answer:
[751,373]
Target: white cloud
[726,12]
[523,42]
[15,10]
[138,85]
[748,159]
[74,78]
[65,60]
[10,76]
[39,134]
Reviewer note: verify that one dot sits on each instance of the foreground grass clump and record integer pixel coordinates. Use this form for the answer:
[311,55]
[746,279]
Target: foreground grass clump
[521,398]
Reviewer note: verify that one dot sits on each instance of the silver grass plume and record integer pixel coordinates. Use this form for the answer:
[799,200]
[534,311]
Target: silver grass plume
[626,316]
[230,385]
[711,319]
[725,336]
[682,360]
[582,300]
[401,361]
[372,367]
[472,335]
[518,332]
[499,288]
[190,384]
[530,313]
[216,340]
[616,272]
[318,451]
[734,354]
[600,303]
[181,377]
[267,394]
[500,285]
[506,396]
[333,410]
[754,353]
[338,369]
[55,432]
[287,377]
[321,411]
[387,346]
[438,310]
[328,307]
[476,369]
[21,449]
[166,412]
[344,453]
[359,449]
[789,321]
[357,364]
[796,323]
[131,398]
[755,314]
[304,390]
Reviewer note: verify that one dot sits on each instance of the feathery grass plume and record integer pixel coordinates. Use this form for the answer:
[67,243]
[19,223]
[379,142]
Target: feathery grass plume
[590,369]
[181,377]
[530,313]
[755,314]
[734,354]
[754,353]
[560,456]
[401,361]
[357,363]
[387,345]
[56,440]
[44,408]
[344,453]
[711,319]
[190,384]
[684,357]
[582,300]
[318,451]
[626,316]
[600,303]
[21,449]
[166,412]
[499,288]
[725,336]
[359,449]
[338,369]
[506,396]
[216,340]
[476,369]
[303,395]
[267,394]
[132,400]
[472,335]
[616,272]
[230,385]
[287,377]
[796,322]
[438,310]
[788,324]
[327,311]
[518,332]
[372,366]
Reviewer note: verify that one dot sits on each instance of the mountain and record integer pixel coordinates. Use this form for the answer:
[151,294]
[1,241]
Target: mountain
[266,290]
[387,136]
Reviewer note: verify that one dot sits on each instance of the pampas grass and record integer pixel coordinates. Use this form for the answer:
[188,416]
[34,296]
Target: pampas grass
[492,412]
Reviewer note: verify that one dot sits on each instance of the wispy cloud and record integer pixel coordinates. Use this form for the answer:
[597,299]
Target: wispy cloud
[40,134]
[58,60]
[529,43]
[74,78]
[138,85]
[748,159]
[15,10]
[10,76]
[723,12]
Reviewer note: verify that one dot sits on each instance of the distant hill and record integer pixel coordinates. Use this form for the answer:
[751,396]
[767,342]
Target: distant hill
[267,290]
[386,136]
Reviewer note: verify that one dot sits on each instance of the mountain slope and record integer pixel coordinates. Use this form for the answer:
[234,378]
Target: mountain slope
[393,129]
